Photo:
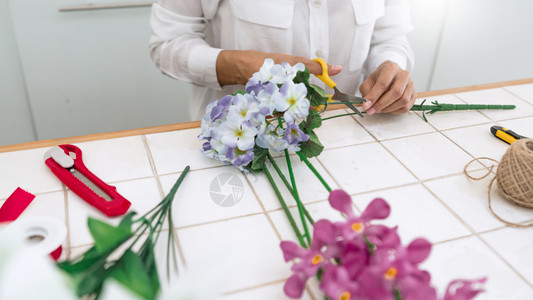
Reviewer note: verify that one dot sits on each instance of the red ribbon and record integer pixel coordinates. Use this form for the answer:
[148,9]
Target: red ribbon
[15,206]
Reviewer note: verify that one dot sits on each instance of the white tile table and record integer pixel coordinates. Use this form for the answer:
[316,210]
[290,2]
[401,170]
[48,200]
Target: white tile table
[416,166]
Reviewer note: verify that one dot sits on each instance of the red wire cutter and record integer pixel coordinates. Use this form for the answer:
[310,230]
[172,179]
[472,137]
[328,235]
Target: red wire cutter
[66,163]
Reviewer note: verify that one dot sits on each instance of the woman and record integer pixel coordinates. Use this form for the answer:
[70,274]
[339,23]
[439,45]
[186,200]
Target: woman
[218,44]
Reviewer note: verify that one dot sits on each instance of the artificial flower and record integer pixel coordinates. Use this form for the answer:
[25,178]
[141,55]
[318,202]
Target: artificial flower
[294,136]
[309,261]
[291,99]
[235,133]
[357,225]
[464,289]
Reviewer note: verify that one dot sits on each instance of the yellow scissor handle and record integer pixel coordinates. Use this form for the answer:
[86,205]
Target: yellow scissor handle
[325,76]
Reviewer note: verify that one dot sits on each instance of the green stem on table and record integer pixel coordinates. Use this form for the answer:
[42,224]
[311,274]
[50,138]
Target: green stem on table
[285,208]
[450,107]
[312,168]
[338,116]
[288,186]
[297,197]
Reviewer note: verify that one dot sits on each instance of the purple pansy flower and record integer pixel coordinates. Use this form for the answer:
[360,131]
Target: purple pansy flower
[240,158]
[291,100]
[294,136]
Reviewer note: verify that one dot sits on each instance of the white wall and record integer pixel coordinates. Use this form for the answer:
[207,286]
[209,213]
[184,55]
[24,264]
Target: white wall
[63,66]
[428,17]
[90,71]
[485,41]
[15,117]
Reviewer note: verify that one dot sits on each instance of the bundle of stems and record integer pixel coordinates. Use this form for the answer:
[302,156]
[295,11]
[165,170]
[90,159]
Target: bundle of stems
[135,268]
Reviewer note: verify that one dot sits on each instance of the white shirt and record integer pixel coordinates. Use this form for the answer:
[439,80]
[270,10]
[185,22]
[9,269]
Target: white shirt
[359,35]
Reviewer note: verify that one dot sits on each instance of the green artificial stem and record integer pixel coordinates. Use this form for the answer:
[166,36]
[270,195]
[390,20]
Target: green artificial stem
[285,208]
[295,190]
[343,115]
[312,168]
[288,186]
[397,294]
[451,107]
[442,107]
[347,102]
[297,197]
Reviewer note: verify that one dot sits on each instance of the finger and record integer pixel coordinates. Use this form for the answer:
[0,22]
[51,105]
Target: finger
[366,86]
[381,84]
[315,68]
[408,97]
[393,99]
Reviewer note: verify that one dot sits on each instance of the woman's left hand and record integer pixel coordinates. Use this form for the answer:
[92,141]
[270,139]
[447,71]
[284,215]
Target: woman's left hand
[389,89]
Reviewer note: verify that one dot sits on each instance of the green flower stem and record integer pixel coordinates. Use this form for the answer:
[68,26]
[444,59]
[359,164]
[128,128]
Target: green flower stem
[346,102]
[450,107]
[297,197]
[295,190]
[285,208]
[343,115]
[288,186]
[312,168]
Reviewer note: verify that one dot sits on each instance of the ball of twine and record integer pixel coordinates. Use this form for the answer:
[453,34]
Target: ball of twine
[514,177]
[515,173]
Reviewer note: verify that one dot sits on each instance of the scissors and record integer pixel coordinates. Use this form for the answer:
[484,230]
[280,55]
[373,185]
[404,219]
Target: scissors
[348,100]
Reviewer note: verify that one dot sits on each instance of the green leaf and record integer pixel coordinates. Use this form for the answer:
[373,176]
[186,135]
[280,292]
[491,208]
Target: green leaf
[242,92]
[83,263]
[302,77]
[106,236]
[258,163]
[127,220]
[130,272]
[312,147]
[316,95]
[147,256]
[313,120]
[91,283]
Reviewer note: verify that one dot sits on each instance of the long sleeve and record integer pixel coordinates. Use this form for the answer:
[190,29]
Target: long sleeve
[177,44]
[389,40]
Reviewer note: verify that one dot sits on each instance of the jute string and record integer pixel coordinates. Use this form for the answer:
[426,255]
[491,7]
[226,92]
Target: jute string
[514,177]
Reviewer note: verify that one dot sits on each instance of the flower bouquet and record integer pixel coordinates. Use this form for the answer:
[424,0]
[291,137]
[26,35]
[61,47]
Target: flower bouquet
[278,112]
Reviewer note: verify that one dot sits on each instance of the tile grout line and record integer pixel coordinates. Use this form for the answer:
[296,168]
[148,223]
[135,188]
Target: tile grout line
[162,196]
[263,210]
[516,96]
[481,112]
[423,184]
[504,261]
[267,215]
[67,220]
[467,226]
[233,292]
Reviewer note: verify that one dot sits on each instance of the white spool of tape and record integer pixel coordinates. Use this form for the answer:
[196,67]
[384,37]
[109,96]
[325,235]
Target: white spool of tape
[43,235]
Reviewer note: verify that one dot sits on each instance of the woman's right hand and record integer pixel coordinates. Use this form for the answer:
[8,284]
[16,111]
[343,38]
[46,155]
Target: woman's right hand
[237,66]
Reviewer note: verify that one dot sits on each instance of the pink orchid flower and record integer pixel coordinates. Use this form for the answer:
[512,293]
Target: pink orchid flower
[310,260]
[397,269]
[464,289]
[337,284]
[357,225]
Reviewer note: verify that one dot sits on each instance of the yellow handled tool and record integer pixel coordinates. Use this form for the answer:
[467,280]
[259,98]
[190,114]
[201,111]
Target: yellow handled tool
[505,135]
[339,96]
